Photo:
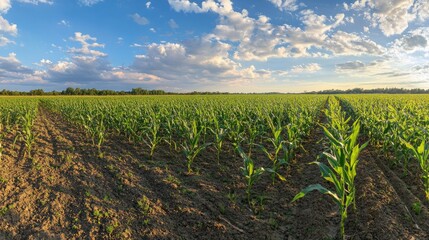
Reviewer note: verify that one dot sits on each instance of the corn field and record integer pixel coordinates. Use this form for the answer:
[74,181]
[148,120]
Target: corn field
[236,165]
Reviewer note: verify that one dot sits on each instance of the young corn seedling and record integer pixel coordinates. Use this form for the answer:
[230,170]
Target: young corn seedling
[340,171]
[95,128]
[153,137]
[191,146]
[250,173]
[4,129]
[170,129]
[26,133]
[219,136]
[422,155]
[236,131]
[279,145]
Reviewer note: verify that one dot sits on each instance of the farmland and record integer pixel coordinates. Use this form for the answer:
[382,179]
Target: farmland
[215,167]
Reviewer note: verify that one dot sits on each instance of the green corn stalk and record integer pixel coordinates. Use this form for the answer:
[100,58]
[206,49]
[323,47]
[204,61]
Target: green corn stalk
[170,128]
[422,155]
[235,131]
[250,173]
[340,171]
[279,146]
[95,128]
[4,129]
[26,133]
[219,136]
[191,146]
[152,133]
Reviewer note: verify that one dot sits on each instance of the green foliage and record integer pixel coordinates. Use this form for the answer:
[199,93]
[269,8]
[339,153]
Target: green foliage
[250,172]
[421,153]
[342,161]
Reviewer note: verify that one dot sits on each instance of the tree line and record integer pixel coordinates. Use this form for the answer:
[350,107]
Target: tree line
[371,91]
[141,91]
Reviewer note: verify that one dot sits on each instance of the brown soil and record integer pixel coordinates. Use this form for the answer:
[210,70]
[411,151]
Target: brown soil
[67,191]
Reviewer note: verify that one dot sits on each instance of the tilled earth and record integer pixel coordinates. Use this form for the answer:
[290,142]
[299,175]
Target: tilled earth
[67,191]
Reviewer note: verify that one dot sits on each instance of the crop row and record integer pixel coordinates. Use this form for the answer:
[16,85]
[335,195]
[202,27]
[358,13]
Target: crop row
[398,126]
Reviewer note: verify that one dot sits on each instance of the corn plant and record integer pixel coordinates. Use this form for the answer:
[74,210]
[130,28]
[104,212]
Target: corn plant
[4,129]
[220,134]
[170,125]
[152,133]
[192,146]
[26,133]
[279,146]
[236,131]
[95,128]
[341,169]
[422,155]
[250,172]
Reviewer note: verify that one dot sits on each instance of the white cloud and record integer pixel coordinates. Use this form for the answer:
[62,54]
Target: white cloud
[136,45]
[45,62]
[285,5]
[139,19]
[128,76]
[5,41]
[342,43]
[421,8]
[87,66]
[306,68]
[258,39]
[185,6]
[415,41]
[350,19]
[5,6]
[64,23]
[89,2]
[6,27]
[36,2]
[172,24]
[199,61]
[392,16]
[84,39]
[12,71]
[148,4]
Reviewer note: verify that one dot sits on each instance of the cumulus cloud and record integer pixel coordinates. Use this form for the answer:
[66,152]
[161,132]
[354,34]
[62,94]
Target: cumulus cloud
[6,27]
[5,41]
[306,68]
[148,4]
[412,41]
[139,19]
[87,43]
[258,39]
[285,5]
[421,9]
[12,71]
[342,43]
[392,16]
[86,65]
[5,6]
[201,60]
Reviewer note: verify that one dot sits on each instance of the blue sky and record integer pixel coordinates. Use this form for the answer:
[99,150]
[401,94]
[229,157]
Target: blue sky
[214,45]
